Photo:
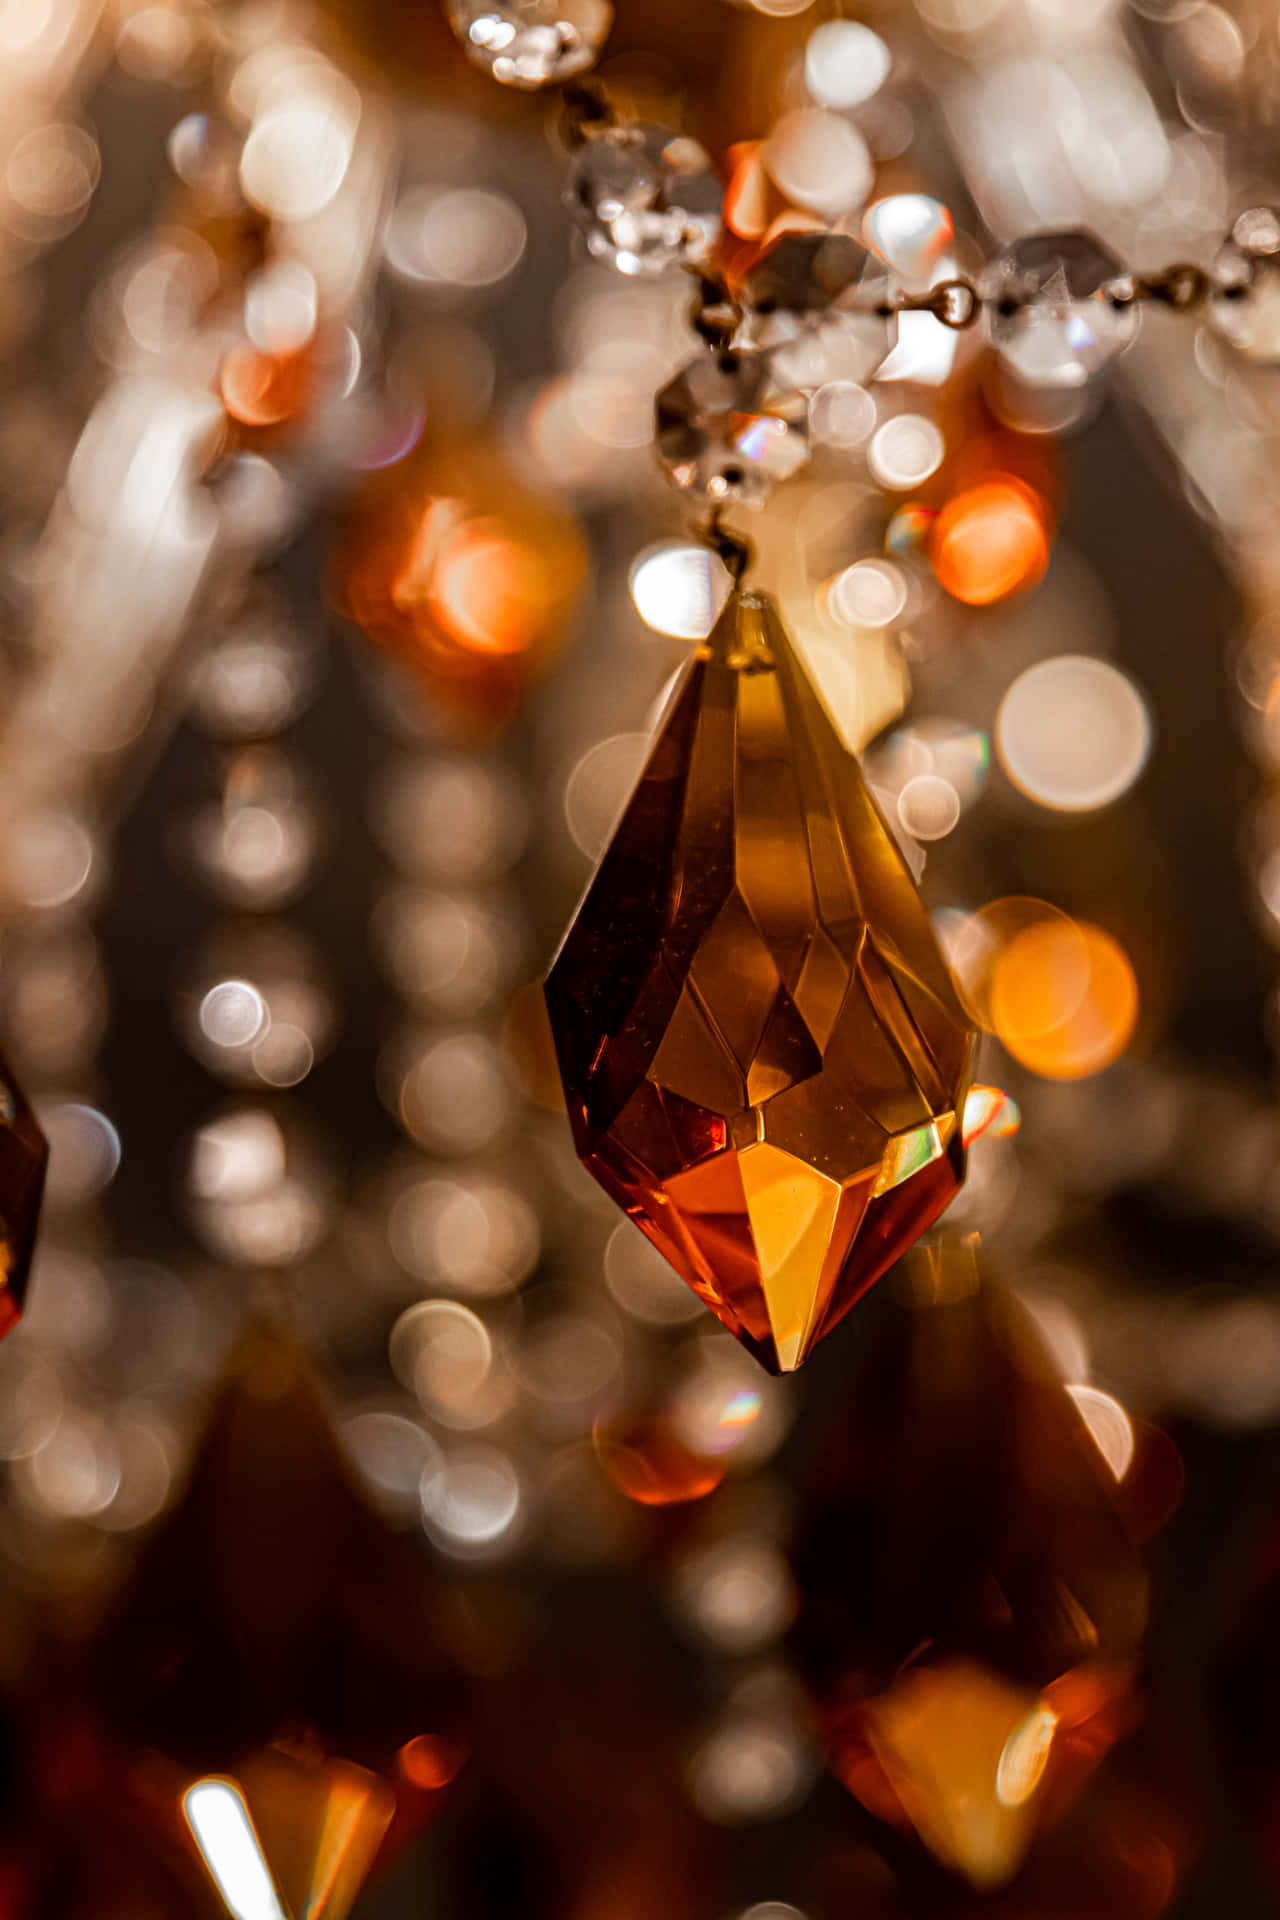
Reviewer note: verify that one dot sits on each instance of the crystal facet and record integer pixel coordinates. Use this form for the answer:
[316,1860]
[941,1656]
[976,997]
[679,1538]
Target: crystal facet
[24,1155]
[531,43]
[973,1662]
[646,199]
[821,303]
[1244,306]
[761,1048]
[727,429]
[804,273]
[1056,309]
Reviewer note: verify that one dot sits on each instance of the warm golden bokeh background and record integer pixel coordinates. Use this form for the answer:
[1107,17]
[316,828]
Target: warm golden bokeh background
[340,596]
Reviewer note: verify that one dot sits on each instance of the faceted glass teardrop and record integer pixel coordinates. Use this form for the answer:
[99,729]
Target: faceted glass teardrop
[971,1600]
[24,1156]
[761,1048]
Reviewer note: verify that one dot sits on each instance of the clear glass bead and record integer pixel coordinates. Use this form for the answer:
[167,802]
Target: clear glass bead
[727,429]
[1058,308]
[1244,306]
[646,199]
[820,302]
[531,43]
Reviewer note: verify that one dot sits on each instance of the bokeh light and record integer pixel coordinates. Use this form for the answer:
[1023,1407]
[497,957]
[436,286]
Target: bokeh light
[905,451]
[679,589]
[1064,1000]
[462,238]
[989,1111]
[472,1502]
[871,593]
[928,806]
[819,161]
[465,1230]
[989,541]
[845,63]
[471,584]
[599,786]
[1109,1426]
[738,1593]
[974,942]
[911,231]
[1073,733]
[648,1462]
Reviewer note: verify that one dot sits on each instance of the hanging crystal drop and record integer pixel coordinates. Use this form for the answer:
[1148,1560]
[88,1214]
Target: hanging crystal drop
[24,1156]
[761,1048]
[1244,306]
[969,1667]
[727,428]
[646,199]
[531,43]
[1058,308]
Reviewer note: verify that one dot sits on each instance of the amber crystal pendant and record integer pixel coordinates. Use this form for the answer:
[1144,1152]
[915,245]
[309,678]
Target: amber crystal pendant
[276,1677]
[972,1597]
[24,1156]
[762,1052]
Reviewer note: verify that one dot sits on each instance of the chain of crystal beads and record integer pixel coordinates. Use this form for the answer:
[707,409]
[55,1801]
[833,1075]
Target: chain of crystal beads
[817,308]
[1057,307]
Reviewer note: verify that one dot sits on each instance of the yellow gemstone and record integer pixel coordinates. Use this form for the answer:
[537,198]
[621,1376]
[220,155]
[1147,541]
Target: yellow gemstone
[762,1052]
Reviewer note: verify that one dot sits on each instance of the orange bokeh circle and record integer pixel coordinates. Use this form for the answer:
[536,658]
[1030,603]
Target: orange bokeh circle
[990,541]
[975,946]
[1064,1000]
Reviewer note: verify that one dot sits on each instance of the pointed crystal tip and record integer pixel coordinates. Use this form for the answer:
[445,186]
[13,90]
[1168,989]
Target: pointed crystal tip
[761,1048]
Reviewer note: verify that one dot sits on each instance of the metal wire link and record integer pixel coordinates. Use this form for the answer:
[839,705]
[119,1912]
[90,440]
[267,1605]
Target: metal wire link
[733,549]
[1181,286]
[956,303]
[715,315]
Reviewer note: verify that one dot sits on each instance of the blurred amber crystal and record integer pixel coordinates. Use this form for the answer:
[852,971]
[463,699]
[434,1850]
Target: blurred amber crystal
[304,1824]
[279,1659]
[763,1057]
[466,573]
[1247,1690]
[24,1155]
[972,1603]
